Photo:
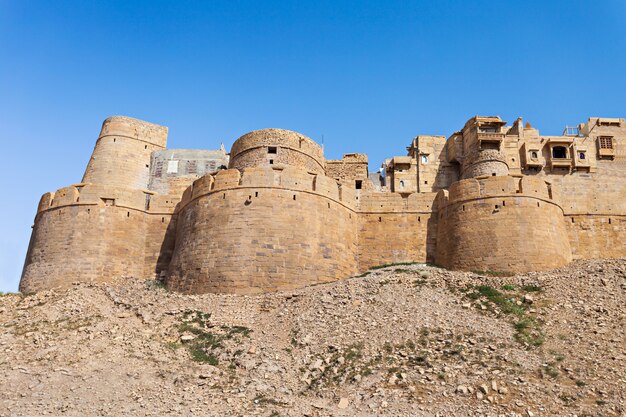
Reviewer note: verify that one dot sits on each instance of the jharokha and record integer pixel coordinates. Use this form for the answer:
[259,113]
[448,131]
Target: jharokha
[274,214]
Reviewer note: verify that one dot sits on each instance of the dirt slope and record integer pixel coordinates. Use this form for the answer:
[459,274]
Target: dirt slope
[408,340]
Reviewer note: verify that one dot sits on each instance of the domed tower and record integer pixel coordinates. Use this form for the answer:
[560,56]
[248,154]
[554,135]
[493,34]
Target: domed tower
[267,147]
[482,148]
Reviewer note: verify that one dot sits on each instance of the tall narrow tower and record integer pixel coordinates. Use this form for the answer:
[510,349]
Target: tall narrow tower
[121,157]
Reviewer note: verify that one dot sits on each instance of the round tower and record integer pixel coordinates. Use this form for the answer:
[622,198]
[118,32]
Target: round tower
[268,147]
[501,223]
[480,162]
[483,139]
[121,157]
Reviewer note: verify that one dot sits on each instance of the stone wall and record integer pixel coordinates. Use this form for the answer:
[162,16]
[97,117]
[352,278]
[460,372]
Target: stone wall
[353,167]
[501,224]
[265,230]
[395,228]
[597,236]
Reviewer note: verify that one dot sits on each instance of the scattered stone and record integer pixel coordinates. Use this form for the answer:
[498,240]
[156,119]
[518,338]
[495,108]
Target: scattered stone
[343,403]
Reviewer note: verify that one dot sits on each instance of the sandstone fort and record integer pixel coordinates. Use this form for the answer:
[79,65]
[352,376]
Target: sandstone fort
[274,214]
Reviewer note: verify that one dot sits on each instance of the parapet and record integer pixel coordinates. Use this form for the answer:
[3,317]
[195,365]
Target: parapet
[107,196]
[277,146]
[489,187]
[277,177]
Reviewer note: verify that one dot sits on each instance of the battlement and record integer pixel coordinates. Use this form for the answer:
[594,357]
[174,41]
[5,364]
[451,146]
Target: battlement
[106,196]
[277,177]
[495,186]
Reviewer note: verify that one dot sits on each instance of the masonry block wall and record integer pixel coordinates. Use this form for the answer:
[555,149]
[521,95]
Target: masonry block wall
[275,215]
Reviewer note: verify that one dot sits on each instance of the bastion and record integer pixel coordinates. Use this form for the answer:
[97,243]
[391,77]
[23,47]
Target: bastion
[273,214]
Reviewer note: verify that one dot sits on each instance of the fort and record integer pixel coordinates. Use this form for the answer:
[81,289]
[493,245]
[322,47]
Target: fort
[274,214]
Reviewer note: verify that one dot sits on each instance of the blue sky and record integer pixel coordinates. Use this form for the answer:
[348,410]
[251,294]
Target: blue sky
[366,76]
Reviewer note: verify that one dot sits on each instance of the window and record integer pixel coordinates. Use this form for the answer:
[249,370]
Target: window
[488,129]
[358,184]
[534,155]
[271,149]
[605,142]
[559,152]
[172,167]
[424,159]
[401,184]
[581,155]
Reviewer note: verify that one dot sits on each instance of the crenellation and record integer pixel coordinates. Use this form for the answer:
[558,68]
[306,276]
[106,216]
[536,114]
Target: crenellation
[273,214]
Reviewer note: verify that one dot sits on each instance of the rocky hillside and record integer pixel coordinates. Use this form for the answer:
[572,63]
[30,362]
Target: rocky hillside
[405,340]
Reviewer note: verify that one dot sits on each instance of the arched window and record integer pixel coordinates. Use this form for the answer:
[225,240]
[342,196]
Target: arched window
[559,152]
[581,155]
[534,155]
[424,159]
[401,184]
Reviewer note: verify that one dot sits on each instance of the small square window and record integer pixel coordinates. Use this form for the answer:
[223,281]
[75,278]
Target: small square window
[272,149]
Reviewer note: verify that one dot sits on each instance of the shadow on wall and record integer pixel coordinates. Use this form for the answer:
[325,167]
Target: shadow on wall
[167,247]
[431,234]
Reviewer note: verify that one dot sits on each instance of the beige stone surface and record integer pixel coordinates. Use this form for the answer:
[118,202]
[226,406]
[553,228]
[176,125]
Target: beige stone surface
[490,197]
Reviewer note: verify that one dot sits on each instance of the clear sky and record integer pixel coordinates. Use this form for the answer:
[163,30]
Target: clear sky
[366,76]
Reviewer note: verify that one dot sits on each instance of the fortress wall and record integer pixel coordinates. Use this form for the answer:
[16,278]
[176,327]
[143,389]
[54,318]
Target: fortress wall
[257,238]
[395,229]
[121,157]
[511,230]
[597,236]
[593,194]
[93,232]
[291,148]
